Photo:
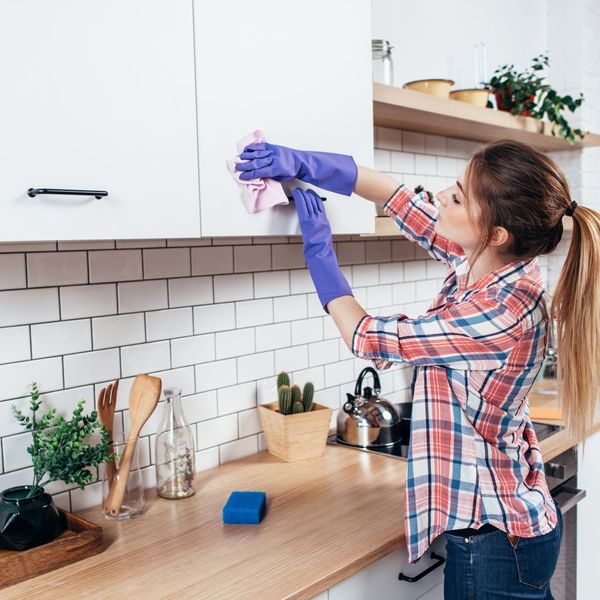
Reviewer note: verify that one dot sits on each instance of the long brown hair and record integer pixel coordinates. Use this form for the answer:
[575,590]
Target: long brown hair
[521,189]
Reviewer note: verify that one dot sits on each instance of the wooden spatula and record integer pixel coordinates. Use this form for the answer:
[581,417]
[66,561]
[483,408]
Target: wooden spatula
[143,398]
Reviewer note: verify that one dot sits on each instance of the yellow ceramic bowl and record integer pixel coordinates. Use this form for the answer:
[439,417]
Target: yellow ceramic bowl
[435,87]
[478,97]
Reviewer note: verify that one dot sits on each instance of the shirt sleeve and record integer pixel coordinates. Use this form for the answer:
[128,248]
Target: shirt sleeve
[477,334]
[415,216]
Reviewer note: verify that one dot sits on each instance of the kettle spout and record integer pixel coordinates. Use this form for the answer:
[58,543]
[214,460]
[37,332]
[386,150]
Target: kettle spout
[349,404]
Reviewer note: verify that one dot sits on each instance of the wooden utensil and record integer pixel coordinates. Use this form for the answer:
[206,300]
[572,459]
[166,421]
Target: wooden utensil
[107,401]
[143,398]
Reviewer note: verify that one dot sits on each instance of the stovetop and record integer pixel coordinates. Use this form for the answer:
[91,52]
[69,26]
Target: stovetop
[400,449]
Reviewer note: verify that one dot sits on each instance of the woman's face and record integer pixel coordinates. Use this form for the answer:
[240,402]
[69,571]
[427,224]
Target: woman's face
[453,222]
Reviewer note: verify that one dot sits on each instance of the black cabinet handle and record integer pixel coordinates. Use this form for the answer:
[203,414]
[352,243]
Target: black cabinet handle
[33,192]
[440,561]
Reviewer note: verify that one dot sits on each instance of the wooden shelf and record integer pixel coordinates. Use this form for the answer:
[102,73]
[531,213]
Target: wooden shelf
[400,108]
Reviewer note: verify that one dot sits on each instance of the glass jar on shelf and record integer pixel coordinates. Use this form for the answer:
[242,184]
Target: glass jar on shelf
[383,66]
[175,461]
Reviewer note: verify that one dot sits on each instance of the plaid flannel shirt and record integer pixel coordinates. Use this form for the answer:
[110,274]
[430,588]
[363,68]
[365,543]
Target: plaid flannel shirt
[474,457]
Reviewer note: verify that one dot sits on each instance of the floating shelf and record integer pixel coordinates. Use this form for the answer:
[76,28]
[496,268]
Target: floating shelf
[401,108]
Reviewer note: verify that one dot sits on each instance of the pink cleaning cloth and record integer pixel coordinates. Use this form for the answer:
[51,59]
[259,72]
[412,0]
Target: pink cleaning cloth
[257,194]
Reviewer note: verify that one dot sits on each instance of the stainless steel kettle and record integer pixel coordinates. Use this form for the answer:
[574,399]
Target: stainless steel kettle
[369,420]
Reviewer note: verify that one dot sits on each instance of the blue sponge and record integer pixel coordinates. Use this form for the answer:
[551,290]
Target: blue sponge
[245,507]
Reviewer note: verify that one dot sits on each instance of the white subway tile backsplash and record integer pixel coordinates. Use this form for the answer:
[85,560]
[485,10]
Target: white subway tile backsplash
[144,358]
[12,271]
[339,372]
[63,337]
[271,337]
[14,344]
[192,350]
[273,283]
[209,261]
[288,359]
[115,265]
[238,449]
[166,262]
[254,312]
[307,330]
[378,296]
[255,366]
[15,451]
[214,317]
[252,258]
[391,272]
[89,367]
[199,407]
[120,330]
[320,353]
[190,291]
[288,256]
[16,378]
[233,287]
[365,275]
[234,343]
[20,307]
[217,431]
[300,282]
[183,378]
[81,301]
[415,270]
[142,295]
[166,324]
[56,268]
[289,308]
[214,375]
[249,422]
[236,398]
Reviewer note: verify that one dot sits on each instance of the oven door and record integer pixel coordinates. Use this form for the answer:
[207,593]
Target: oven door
[564,580]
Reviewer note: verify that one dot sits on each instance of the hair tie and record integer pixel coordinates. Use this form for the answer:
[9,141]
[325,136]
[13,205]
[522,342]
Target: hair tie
[569,212]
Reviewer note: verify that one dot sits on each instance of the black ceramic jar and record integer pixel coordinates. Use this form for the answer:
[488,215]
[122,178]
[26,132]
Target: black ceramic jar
[25,521]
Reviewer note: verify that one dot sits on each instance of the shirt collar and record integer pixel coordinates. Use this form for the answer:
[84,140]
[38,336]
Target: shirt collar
[504,275]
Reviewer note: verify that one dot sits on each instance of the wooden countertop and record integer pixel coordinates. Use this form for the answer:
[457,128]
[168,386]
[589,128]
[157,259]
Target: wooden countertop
[348,504]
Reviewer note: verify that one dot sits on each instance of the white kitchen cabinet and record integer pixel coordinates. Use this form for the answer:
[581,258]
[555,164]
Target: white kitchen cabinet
[381,578]
[302,74]
[100,95]
[588,519]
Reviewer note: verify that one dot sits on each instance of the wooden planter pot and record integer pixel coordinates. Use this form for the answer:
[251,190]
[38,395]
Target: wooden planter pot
[295,437]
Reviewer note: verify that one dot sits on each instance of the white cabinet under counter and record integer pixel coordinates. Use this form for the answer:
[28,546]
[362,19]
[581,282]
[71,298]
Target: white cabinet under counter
[98,95]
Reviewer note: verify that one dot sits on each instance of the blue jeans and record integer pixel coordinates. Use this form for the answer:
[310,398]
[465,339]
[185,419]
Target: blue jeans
[489,567]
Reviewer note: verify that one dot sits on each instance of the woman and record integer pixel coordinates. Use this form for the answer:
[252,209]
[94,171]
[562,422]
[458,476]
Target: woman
[475,471]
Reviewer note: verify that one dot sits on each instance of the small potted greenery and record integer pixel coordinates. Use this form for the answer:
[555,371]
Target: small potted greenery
[526,94]
[295,427]
[60,452]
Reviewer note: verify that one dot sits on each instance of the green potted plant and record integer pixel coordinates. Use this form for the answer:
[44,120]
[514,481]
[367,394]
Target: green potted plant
[295,427]
[60,451]
[526,94]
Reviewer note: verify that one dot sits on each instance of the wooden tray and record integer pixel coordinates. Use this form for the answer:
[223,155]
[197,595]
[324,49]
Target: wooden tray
[81,539]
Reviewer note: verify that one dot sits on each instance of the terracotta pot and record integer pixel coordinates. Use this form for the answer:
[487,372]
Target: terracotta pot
[499,95]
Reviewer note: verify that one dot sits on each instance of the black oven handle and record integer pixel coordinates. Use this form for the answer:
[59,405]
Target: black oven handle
[575,495]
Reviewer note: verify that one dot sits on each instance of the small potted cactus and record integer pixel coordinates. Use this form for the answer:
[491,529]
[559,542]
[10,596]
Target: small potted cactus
[295,427]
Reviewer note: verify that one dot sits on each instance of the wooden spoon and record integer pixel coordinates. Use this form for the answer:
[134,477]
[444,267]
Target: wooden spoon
[143,398]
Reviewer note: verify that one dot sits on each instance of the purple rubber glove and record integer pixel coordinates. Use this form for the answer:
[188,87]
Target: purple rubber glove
[329,280]
[333,172]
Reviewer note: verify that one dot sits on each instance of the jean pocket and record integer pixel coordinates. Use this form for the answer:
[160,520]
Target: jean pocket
[536,558]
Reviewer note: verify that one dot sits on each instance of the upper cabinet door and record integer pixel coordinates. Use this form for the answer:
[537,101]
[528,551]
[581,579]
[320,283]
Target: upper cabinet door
[98,95]
[300,72]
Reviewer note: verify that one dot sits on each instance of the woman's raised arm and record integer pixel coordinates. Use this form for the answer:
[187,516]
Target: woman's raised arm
[375,186]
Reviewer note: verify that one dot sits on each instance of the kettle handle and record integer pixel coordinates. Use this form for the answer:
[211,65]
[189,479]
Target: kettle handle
[376,382]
